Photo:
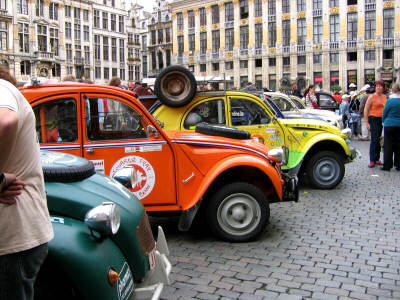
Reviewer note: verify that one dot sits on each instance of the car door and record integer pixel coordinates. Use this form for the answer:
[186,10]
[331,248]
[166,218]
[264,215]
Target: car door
[252,115]
[326,101]
[57,123]
[116,136]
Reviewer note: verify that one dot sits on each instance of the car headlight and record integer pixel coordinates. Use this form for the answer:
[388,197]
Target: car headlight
[277,155]
[347,132]
[104,218]
[126,176]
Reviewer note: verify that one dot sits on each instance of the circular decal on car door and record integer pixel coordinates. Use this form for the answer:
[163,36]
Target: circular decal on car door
[144,173]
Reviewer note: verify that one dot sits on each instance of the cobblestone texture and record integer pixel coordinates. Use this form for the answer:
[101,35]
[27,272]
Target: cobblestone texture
[335,244]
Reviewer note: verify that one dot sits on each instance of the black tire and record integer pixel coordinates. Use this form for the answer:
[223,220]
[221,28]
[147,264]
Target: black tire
[247,208]
[175,86]
[325,170]
[68,174]
[222,130]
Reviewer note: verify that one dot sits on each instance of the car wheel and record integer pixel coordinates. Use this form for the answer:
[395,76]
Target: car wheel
[238,212]
[222,130]
[175,86]
[325,170]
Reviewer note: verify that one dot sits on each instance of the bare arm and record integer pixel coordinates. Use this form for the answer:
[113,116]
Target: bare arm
[8,131]
[366,111]
[10,189]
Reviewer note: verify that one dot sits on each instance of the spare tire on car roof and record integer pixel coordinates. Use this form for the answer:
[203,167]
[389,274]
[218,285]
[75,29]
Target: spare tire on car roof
[222,130]
[62,167]
[175,86]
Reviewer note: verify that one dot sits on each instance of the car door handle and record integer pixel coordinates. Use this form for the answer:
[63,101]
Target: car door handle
[89,150]
[187,179]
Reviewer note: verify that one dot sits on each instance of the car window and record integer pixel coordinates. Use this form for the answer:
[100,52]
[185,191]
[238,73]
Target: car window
[326,100]
[56,121]
[299,104]
[212,112]
[109,119]
[283,104]
[247,112]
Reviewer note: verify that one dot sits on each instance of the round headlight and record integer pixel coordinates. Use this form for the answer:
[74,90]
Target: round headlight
[347,132]
[104,218]
[276,154]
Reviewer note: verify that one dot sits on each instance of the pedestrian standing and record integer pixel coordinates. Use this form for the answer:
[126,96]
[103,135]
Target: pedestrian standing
[391,123]
[24,218]
[293,89]
[309,97]
[373,118]
[365,135]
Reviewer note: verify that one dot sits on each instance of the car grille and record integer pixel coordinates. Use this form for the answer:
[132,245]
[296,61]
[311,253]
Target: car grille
[145,235]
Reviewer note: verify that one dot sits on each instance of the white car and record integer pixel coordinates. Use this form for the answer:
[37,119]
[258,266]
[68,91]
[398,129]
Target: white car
[294,107]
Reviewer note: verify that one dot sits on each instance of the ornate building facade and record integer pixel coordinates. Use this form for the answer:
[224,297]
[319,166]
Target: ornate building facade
[270,42]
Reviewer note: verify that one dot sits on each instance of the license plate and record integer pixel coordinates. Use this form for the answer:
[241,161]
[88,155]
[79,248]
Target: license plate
[152,259]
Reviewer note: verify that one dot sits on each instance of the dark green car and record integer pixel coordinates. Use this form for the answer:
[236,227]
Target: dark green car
[103,246]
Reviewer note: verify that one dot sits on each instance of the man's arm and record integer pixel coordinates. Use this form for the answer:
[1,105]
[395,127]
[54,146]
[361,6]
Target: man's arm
[8,131]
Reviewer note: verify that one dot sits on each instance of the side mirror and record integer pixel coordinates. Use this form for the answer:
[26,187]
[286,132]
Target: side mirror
[151,130]
[126,177]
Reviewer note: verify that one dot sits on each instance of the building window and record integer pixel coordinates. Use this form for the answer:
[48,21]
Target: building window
[334,28]
[301,31]
[130,73]
[86,33]
[352,27]
[168,57]
[370,25]
[229,39]
[258,36]
[369,55]
[153,60]
[191,19]
[317,58]
[113,49]
[203,68]
[56,70]
[144,42]
[25,67]
[301,60]
[42,37]
[215,67]
[105,20]
[334,58]
[244,37]
[68,30]
[286,32]
[85,15]
[388,23]
[215,14]
[317,30]
[272,62]
[67,11]
[286,61]
[271,34]
[78,52]
[229,14]
[114,72]
[203,42]
[77,31]
[105,48]
[97,47]
[369,76]
[87,73]
[53,11]
[191,44]
[243,64]
[54,41]
[301,5]
[352,56]
[272,8]
[203,16]
[285,6]
[96,18]
[317,4]
[22,7]
[87,54]
[97,72]
[39,8]
[77,13]
[23,34]
[334,78]
[244,9]
[179,21]
[167,35]
[215,41]
[153,37]
[257,8]
[113,22]
[229,65]
[351,2]
[318,79]
[106,73]
[160,35]
[3,35]
[180,46]
[258,62]
[68,51]
[333,3]
[351,77]
[137,74]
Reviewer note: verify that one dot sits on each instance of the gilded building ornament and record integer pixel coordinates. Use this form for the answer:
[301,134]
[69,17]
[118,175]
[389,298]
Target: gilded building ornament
[272,51]
[370,43]
[388,4]
[334,10]
[318,47]
[352,8]
[203,28]
[244,22]
[229,54]
[286,16]
[301,14]
[258,20]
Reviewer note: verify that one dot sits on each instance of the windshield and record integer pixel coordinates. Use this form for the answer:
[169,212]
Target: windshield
[298,102]
[284,104]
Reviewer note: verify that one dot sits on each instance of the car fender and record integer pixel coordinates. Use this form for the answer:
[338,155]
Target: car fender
[323,137]
[228,163]
[87,261]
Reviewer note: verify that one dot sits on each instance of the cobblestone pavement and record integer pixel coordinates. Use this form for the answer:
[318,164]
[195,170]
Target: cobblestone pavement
[337,244]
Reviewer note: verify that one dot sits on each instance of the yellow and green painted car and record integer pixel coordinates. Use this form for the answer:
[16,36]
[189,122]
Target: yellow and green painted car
[313,147]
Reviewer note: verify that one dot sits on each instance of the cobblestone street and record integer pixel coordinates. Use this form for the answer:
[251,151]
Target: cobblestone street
[336,244]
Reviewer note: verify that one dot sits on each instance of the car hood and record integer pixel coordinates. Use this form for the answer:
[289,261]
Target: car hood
[321,112]
[310,124]
[301,115]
